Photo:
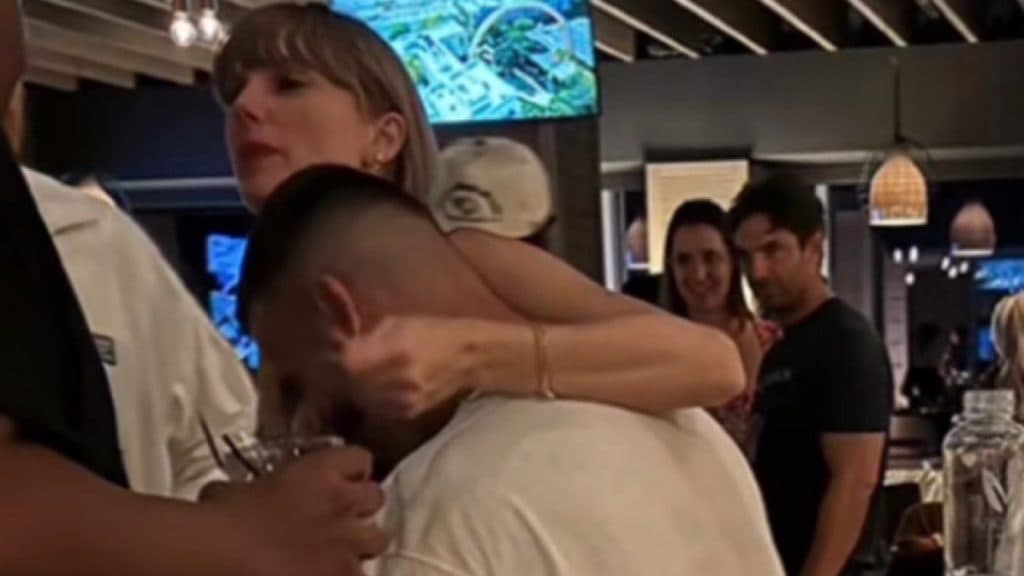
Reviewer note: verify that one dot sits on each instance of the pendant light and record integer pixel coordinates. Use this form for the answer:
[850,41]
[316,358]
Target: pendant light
[182,30]
[898,189]
[973,231]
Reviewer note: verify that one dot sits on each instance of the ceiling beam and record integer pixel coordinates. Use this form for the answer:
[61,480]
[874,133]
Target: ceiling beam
[962,14]
[137,14]
[70,43]
[132,37]
[746,22]
[71,66]
[889,16]
[614,38]
[658,19]
[50,79]
[820,20]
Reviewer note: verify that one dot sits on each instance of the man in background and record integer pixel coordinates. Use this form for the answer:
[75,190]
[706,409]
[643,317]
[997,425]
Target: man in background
[169,370]
[486,484]
[825,392]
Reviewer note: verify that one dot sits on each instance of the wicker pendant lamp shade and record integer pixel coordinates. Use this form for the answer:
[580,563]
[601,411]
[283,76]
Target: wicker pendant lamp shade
[973,232]
[898,188]
[898,195]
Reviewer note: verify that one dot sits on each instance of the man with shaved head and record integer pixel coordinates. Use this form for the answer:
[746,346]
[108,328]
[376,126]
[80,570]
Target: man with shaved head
[483,484]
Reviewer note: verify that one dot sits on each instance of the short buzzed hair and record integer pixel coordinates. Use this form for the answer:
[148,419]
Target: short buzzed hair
[294,215]
[787,203]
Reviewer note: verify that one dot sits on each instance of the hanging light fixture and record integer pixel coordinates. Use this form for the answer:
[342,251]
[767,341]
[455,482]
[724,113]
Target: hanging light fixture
[973,232]
[898,189]
[210,27]
[183,32]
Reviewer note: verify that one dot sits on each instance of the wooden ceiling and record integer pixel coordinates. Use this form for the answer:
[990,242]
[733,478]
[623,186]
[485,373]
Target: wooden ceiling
[115,42]
[640,29]
[124,42]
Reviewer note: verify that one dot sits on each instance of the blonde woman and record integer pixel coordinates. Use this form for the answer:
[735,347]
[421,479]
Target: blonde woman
[305,86]
[1008,337]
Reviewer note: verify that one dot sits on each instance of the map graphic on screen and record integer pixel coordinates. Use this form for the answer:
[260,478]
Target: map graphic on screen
[491,60]
[224,255]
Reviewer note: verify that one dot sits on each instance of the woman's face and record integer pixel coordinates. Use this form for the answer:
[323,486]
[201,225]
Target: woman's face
[701,268]
[281,122]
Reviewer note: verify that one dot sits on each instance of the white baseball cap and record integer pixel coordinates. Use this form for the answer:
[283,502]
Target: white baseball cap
[492,184]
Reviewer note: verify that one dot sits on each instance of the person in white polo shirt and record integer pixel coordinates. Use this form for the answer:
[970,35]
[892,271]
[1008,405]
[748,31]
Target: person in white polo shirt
[484,483]
[168,367]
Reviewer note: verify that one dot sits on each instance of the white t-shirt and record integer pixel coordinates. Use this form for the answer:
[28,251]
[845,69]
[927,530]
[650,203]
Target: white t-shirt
[517,487]
[165,362]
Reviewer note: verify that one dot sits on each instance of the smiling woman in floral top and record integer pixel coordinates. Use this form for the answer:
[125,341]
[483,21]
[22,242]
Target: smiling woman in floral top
[702,282]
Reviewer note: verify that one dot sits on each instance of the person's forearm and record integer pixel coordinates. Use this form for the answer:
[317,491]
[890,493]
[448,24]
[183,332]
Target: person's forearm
[59,519]
[12,51]
[840,522]
[653,362]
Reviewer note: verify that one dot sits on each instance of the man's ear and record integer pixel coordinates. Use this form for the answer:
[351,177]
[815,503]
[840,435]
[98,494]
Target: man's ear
[816,246]
[335,300]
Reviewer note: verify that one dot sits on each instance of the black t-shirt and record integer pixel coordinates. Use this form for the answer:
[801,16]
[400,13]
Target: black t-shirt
[51,381]
[829,374]
[645,287]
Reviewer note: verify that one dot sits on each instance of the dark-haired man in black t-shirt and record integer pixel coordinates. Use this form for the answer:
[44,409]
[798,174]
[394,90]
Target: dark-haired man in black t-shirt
[61,509]
[824,392]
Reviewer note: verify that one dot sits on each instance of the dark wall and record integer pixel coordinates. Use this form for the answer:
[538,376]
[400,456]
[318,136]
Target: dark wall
[149,133]
[791,105]
[171,132]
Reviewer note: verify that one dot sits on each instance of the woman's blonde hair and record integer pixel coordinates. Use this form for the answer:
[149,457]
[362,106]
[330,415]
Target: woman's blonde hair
[1008,338]
[347,53]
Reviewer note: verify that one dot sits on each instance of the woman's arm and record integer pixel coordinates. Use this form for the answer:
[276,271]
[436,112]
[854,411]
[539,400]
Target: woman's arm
[601,346]
[751,354]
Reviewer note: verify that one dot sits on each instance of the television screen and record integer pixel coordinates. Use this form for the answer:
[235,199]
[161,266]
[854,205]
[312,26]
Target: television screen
[1001,275]
[224,255]
[986,347]
[491,60]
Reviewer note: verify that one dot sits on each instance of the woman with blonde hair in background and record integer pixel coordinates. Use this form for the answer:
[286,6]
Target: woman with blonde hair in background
[1008,338]
[303,86]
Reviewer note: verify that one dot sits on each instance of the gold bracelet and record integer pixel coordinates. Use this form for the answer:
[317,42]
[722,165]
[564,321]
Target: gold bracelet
[544,387]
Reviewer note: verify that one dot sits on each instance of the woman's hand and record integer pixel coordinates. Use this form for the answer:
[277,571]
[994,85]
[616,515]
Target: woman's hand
[406,366]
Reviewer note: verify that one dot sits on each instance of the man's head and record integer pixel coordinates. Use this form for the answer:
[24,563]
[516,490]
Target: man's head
[779,230]
[334,251]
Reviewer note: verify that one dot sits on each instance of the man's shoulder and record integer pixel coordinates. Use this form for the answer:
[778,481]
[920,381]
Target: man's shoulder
[61,206]
[539,449]
[842,326]
[511,480]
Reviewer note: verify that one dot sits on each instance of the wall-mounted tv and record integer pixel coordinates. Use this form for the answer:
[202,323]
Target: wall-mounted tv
[224,255]
[491,60]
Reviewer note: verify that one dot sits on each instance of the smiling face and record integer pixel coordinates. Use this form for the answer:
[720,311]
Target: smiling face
[702,268]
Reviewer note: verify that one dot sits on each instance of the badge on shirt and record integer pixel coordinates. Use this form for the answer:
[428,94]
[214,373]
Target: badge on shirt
[106,348]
